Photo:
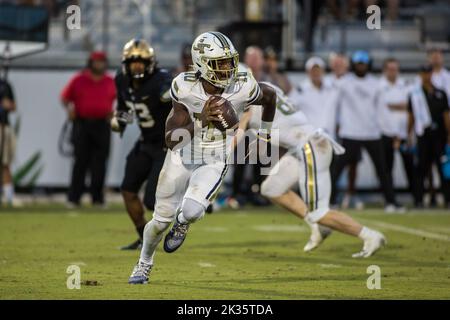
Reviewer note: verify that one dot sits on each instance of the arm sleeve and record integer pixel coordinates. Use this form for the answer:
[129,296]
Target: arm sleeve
[165,88]
[175,89]
[254,93]
[121,105]
[67,94]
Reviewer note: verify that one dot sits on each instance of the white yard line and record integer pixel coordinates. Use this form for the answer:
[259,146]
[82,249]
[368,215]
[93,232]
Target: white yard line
[408,230]
[280,228]
[206,265]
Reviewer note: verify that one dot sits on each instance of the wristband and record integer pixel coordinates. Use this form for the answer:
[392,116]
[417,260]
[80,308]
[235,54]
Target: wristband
[264,136]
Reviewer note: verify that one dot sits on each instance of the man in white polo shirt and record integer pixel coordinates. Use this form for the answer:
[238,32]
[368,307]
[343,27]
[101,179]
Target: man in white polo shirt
[317,99]
[393,119]
[359,128]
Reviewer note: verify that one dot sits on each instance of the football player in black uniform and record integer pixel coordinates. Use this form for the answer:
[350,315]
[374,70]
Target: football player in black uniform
[143,91]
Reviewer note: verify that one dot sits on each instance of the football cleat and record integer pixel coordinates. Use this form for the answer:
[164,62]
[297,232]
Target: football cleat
[318,234]
[175,238]
[136,245]
[210,209]
[140,273]
[371,245]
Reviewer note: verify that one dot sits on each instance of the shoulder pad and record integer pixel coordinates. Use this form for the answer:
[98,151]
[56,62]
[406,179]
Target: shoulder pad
[180,85]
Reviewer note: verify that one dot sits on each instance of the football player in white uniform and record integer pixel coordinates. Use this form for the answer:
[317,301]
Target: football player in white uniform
[307,164]
[197,161]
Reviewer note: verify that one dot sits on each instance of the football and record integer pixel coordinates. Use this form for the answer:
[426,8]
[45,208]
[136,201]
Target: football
[229,118]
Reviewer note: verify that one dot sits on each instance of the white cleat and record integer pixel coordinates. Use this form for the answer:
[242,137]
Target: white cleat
[140,273]
[371,245]
[318,234]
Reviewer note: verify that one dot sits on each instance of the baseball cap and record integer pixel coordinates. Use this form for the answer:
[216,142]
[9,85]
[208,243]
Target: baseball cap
[97,55]
[314,61]
[361,56]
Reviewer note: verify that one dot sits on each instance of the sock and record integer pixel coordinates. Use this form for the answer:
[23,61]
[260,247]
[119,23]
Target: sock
[153,233]
[181,219]
[8,192]
[365,233]
[140,231]
[309,223]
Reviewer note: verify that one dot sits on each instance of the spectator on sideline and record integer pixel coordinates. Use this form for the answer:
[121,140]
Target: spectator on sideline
[316,98]
[441,76]
[393,119]
[430,119]
[359,127]
[254,60]
[7,142]
[88,99]
[185,60]
[275,76]
[339,65]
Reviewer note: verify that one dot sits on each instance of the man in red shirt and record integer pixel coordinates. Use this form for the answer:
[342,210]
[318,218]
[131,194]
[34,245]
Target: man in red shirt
[88,99]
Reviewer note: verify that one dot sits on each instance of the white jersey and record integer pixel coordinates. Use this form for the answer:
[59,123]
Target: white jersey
[209,142]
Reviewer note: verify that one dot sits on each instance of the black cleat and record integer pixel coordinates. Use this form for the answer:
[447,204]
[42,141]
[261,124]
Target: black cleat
[175,238]
[137,245]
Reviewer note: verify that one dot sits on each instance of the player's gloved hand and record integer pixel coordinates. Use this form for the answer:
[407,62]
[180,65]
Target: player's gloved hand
[120,120]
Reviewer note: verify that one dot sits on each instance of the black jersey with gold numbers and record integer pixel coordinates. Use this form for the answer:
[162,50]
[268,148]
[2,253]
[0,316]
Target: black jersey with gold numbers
[150,102]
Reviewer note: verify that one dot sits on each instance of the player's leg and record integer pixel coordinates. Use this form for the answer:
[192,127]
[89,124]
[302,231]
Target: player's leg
[315,186]
[204,184]
[277,187]
[171,187]
[137,167]
[157,161]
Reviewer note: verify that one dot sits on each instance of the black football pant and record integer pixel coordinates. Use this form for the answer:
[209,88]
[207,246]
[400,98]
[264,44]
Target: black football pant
[91,140]
[430,148]
[408,163]
[144,163]
[352,151]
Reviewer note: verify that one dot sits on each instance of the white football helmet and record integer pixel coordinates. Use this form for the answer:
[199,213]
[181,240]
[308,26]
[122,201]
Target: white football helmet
[215,58]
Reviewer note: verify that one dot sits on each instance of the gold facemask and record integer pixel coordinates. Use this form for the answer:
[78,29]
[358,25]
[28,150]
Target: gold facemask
[222,76]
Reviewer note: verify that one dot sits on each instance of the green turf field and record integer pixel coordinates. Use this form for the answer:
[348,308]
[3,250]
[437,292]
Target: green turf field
[248,254]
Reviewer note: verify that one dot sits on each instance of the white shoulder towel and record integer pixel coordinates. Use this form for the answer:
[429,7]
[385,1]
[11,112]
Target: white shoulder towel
[422,116]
